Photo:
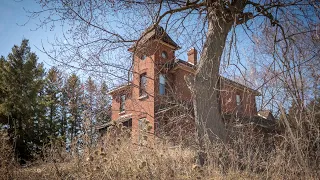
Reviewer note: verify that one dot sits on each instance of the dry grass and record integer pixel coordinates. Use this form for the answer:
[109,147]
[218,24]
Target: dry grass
[126,161]
[248,156]
[7,164]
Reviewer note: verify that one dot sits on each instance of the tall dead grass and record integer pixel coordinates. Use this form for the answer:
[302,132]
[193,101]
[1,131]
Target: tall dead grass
[249,155]
[7,163]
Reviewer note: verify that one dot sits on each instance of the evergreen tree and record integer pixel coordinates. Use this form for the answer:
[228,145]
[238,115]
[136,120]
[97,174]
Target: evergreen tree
[53,92]
[39,134]
[2,88]
[103,111]
[89,114]
[64,111]
[74,92]
[21,84]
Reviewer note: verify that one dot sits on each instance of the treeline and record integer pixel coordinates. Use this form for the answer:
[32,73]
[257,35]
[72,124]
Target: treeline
[38,107]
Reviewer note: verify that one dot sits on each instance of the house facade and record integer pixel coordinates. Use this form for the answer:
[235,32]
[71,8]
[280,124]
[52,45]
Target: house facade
[158,89]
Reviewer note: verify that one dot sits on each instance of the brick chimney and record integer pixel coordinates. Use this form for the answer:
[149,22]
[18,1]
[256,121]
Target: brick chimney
[192,56]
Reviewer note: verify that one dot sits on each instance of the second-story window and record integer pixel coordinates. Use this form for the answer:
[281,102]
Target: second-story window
[162,84]
[143,85]
[238,99]
[122,103]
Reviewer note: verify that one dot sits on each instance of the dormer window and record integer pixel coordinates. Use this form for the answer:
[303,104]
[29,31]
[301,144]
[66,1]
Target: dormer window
[164,55]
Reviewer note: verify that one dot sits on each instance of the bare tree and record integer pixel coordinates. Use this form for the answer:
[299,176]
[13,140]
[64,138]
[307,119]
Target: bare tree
[95,28]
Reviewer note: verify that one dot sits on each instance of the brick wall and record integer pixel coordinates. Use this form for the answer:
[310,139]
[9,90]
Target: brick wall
[144,107]
[228,101]
[138,107]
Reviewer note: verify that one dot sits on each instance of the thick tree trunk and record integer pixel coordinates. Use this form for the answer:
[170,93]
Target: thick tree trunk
[205,86]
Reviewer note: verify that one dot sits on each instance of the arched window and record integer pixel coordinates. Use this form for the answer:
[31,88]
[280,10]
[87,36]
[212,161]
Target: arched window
[164,55]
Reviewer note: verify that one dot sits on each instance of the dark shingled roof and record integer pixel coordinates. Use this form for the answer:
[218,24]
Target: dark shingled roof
[157,32]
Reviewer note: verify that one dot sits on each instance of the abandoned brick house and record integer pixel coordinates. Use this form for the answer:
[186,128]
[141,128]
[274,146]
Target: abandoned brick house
[158,89]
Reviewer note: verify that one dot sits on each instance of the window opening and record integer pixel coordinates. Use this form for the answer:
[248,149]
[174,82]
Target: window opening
[238,100]
[143,84]
[164,55]
[122,102]
[162,84]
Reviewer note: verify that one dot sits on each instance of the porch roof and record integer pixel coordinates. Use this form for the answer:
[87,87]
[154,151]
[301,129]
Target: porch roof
[111,123]
[120,87]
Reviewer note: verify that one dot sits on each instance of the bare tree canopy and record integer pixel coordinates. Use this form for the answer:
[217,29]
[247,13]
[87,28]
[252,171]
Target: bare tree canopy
[96,30]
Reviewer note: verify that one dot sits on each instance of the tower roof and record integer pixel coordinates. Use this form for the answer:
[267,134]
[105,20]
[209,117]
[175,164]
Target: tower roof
[156,32]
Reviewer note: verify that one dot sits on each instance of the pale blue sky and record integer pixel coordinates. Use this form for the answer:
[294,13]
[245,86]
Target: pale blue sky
[15,26]
[12,28]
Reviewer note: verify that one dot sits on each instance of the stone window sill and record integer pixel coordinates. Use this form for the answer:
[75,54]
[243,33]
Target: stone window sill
[122,112]
[143,97]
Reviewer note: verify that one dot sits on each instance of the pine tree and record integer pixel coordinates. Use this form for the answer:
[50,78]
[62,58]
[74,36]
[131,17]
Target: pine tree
[74,92]
[89,114]
[103,112]
[64,111]
[2,88]
[53,92]
[21,83]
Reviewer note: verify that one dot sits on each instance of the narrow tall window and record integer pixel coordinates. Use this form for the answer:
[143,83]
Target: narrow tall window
[238,100]
[162,84]
[143,84]
[122,103]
